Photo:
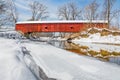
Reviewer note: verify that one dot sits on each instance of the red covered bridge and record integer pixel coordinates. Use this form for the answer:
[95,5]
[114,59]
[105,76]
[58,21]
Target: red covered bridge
[58,26]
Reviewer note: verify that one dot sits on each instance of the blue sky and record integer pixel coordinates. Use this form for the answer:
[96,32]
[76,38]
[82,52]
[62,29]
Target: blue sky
[24,11]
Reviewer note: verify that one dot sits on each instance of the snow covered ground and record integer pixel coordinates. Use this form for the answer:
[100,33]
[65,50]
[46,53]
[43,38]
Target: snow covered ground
[11,34]
[64,65]
[97,38]
[94,36]
[12,62]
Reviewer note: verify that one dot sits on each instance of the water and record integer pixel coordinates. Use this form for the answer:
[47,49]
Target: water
[104,52]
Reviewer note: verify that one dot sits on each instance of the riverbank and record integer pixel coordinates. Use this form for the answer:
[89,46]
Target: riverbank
[95,35]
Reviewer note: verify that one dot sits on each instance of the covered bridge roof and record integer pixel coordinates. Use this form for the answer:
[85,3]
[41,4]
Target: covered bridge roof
[64,21]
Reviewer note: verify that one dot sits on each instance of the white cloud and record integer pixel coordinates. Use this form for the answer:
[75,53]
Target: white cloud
[19,5]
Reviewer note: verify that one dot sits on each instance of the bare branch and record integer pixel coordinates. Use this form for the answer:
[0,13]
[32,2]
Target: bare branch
[38,10]
[2,6]
[90,11]
[69,12]
[108,5]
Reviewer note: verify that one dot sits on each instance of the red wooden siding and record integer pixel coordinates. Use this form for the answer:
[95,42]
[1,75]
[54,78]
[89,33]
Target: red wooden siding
[55,27]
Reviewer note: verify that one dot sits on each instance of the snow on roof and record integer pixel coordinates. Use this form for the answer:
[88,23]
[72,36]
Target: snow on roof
[65,21]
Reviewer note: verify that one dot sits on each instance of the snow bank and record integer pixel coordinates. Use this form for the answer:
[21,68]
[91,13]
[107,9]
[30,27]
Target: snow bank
[11,35]
[12,65]
[63,65]
[97,38]
[98,47]
[97,35]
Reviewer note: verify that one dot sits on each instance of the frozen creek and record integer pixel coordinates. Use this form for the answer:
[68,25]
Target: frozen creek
[29,60]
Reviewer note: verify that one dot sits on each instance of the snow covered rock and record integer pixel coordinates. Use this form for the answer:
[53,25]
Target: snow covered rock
[11,35]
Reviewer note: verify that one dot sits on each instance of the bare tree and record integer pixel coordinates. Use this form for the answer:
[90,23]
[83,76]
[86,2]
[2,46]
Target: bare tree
[2,12]
[75,11]
[2,6]
[69,11]
[8,15]
[12,12]
[107,11]
[91,11]
[64,13]
[38,10]
[115,19]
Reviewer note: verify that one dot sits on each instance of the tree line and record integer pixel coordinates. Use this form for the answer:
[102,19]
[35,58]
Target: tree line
[68,11]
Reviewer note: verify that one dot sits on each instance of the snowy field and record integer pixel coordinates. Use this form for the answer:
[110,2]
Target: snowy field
[12,63]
